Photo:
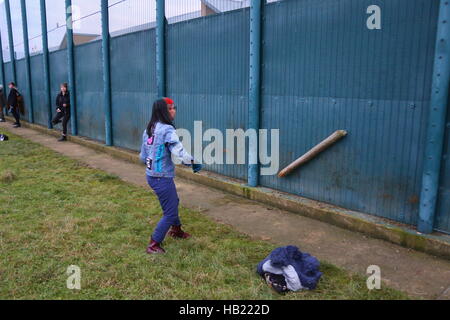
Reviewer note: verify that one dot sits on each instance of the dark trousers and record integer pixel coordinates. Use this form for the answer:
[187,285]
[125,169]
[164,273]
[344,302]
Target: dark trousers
[65,116]
[168,198]
[16,114]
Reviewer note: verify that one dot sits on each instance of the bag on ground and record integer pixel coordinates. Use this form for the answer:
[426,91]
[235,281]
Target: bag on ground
[288,269]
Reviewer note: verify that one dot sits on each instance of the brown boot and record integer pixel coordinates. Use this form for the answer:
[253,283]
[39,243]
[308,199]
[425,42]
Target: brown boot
[176,232]
[154,247]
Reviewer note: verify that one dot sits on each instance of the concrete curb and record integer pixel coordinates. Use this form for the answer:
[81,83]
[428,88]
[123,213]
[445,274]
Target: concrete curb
[435,244]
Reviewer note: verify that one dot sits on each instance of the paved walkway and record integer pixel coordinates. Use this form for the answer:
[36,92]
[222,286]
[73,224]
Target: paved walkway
[416,273]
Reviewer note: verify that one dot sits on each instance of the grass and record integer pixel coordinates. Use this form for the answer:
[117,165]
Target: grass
[56,212]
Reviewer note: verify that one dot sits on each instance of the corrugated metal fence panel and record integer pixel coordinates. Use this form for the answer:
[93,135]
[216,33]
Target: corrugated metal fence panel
[8,76]
[442,222]
[58,75]
[22,85]
[133,82]
[38,90]
[89,90]
[207,76]
[324,70]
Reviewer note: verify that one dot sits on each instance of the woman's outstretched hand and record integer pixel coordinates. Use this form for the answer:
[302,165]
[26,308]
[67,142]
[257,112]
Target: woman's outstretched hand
[196,167]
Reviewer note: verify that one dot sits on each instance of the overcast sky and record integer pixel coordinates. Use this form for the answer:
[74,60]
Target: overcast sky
[123,14]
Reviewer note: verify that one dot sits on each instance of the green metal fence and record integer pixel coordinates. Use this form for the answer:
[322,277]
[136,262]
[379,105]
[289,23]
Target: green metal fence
[305,67]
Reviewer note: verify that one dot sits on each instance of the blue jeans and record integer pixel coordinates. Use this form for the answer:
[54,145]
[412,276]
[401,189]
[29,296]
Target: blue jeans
[168,198]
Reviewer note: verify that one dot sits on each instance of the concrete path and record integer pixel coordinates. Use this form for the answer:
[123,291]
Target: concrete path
[418,274]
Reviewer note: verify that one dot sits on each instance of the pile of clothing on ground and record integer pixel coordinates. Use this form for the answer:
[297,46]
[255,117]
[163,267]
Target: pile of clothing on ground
[288,269]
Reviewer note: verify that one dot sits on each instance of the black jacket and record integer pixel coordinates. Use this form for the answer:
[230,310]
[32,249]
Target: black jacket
[2,99]
[61,100]
[12,98]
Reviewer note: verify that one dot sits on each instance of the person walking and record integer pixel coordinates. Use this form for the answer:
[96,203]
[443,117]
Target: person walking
[62,110]
[2,104]
[159,142]
[13,103]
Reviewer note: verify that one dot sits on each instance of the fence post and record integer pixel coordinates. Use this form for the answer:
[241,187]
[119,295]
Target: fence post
[27,60]
[45,57]
[106,73]
[436,122]
[256,8]
[160,48]
[71,67]
[11,41]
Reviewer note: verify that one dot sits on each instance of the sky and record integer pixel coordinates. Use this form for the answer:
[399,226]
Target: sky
[122,14]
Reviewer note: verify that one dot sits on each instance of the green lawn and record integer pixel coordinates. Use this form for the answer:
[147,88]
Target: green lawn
[56,212]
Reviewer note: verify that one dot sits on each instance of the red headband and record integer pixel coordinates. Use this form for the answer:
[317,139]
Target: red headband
[168,101]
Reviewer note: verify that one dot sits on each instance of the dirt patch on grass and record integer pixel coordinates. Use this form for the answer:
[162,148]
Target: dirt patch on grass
[7,177]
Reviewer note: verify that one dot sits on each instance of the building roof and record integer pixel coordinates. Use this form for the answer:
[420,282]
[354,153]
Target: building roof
[225,5]
[78,38]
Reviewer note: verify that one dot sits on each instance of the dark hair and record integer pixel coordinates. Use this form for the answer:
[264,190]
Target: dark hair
[64,84]
[12,83]
[160,113]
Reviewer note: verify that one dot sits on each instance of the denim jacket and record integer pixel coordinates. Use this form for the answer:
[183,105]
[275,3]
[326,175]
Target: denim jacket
[157,151]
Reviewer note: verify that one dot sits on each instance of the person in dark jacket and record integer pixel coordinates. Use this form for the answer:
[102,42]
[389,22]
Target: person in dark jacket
[62,110]
[13,103]
[2,104]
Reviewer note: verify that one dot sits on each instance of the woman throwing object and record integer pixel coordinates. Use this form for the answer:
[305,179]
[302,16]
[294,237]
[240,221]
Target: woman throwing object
[159,142]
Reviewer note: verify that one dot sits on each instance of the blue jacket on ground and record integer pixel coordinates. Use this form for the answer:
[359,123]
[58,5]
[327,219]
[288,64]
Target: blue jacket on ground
[301,270]
[157,151]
